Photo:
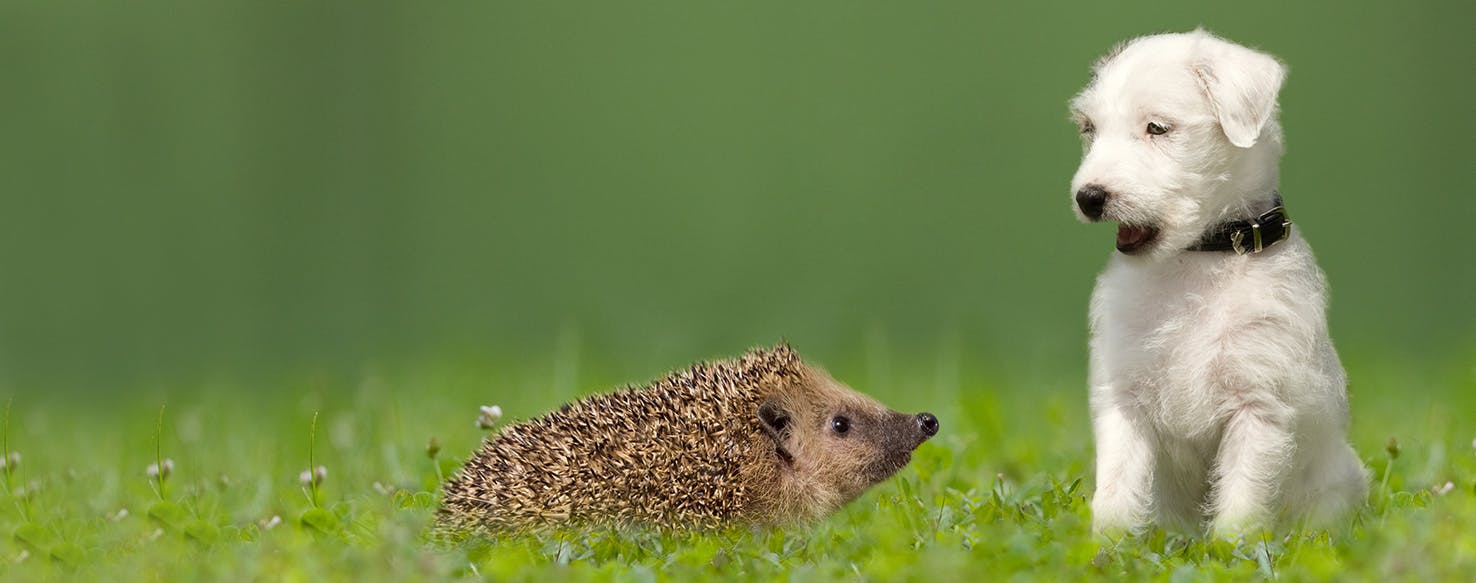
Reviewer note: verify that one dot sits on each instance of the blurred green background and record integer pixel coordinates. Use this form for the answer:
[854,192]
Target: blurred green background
[198,191]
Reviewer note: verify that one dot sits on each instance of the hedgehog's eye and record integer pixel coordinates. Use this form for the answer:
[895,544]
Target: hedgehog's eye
[840,425]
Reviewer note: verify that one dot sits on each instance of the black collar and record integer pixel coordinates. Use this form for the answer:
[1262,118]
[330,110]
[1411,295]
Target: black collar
[1250,235]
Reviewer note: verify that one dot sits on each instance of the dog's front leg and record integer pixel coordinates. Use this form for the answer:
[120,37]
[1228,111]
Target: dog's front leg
[1256,449]
[1125,457]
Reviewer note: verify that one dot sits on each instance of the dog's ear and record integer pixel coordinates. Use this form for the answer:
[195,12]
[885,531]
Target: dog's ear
[1241,85]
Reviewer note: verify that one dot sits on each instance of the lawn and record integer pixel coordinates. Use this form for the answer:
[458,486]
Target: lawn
[252,238]
[1003,491]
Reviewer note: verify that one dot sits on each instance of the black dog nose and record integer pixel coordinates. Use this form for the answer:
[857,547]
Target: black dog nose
[1091,198]
[927,423]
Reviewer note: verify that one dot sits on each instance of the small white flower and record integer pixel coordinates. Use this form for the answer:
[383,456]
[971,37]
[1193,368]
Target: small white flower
[29,489]
[489,416]
[384,489]
[24,554]
[1443,490]
[119,515]
[10,461]
[313,476]
[270,523]
[158,532]
[155,470]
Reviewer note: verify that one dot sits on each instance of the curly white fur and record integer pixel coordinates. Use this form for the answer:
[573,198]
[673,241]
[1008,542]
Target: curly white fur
[1217,397]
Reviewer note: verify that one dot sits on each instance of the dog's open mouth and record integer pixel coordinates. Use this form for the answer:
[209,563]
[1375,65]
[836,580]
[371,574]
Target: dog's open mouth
[1133,238]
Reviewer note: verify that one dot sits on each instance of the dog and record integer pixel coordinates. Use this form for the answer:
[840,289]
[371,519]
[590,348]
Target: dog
[1218,402]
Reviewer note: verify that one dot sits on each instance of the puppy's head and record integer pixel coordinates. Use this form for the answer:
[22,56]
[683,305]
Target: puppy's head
[1179,133]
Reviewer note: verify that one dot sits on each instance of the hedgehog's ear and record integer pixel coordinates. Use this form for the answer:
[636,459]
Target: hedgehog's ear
[774,418]
[775,422]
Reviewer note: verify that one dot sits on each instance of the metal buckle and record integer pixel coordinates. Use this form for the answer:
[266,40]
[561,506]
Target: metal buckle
[1286,225]
[1237,239]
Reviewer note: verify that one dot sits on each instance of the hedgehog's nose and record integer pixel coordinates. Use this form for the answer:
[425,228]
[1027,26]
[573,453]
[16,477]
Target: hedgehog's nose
[927,423]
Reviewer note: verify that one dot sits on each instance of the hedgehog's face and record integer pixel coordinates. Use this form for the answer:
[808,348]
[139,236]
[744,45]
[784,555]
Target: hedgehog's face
[832,443]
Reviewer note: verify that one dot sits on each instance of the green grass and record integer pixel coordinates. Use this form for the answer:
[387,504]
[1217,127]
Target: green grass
[1003,491]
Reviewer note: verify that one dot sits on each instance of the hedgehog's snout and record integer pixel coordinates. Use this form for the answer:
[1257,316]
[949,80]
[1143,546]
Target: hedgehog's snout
[928,424]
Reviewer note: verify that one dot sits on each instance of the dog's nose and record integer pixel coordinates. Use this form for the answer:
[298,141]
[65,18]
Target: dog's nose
[927,423]
[1091,198]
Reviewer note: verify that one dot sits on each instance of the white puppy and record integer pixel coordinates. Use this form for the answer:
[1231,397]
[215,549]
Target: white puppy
[1217,398]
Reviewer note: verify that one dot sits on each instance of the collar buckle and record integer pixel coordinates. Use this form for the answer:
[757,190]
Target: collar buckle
[1237,238]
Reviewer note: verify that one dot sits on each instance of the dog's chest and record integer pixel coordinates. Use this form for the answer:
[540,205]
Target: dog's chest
[1157,341]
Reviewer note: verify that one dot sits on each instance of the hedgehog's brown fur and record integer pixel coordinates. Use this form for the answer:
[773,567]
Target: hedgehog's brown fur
[735,441]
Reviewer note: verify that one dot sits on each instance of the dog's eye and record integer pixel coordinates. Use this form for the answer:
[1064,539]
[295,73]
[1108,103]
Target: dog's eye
[840,425]
[1157,129]
[1087,128]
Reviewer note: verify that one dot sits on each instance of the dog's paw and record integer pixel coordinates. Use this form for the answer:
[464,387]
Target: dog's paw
[1114,519]
[1240,527]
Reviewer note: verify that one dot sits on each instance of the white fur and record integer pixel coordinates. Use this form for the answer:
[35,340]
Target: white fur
[1217,397]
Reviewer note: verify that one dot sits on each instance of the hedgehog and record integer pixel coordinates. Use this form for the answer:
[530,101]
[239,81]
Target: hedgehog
[762,440]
